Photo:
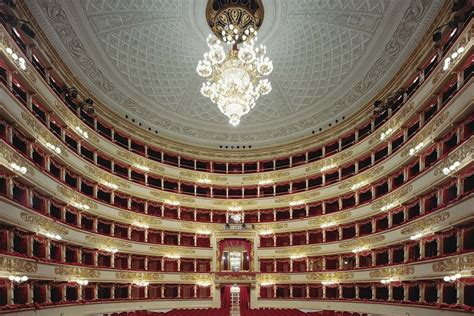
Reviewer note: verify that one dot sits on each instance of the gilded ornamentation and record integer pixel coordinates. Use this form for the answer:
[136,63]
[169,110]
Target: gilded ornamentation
[426,134]
[424,223]
[204,227]
[41,131]
[230,277]
[77,272]
[73,121]
[196,176]
[170,250]
[206,277]
[368,241]
[454,264]
[76,198]
[134,159]
[330,276]
[100,241]
[270,226]
[395,122]
[364,177]
[392,198]
[5,42]
[325,219]
[392,272]
[248,234]
[13,157]
[333,160]
[302,250]
[274,175]
[230,203]
[166,197]
[43,223]
[305,196]
[140,218]
[17,265]
[105,176]
[145,276]
[461,153]
[272,278]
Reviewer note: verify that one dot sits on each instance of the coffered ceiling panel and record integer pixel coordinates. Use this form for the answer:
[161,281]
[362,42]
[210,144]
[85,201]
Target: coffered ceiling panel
[139,58]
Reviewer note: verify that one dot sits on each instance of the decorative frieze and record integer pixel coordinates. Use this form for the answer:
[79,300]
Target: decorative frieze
[199,176]
[105,177]
[6,42]
[104,242]
[392,272]
[274,176]
[142,276]
[200,227]
[77,272]
[365,177]
[332,218]
[139,162]
[465,151]
[426,134]
[171,251]
[273,278]
[74,122]
[301,250]
[76,199]
[234,204]
[43,223]
[12,157]
[140,218]
[171,198]
[41,131]
[270,226]
[330,276]
[197,277]
[392,198]
[293,198]
[333,160]
[17,265]
[424,223]
[395,122]
[368,242]
[454,264]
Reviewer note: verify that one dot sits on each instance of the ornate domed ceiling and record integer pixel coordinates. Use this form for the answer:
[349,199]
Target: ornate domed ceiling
[139,57]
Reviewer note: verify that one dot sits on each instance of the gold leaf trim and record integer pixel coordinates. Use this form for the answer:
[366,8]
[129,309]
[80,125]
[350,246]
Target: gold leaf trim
[99,241]
[197,277]
[137,160]
[333,160]
[392,272]
[424,223]
[329,276]
[395,122]
[261,278]
[395,197]
[13,157]
[76,197]
[17,265]
[43,132]
[167,250]
[73,121]
[196,176]
[43,223]
[461,153]
[362,242]
[366,177]
[303,250]
[325,219]
[305,196]
[275,175]
[454,264]
[105,176]
[139,276]
[77,272]
[140,218]
[172,197]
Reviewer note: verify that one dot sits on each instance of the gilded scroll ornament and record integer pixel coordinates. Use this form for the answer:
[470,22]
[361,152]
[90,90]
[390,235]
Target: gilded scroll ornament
[76,199]
[145,276]
[332,218]
[365,177]
[333,160]
[101,242]
[43,223]
[424,223]
[392,198]
[368,241]
[392,272]
[12,157]
[17,265]
[140,218]
[329,276]
[454,264]
[458,155]
[77,272]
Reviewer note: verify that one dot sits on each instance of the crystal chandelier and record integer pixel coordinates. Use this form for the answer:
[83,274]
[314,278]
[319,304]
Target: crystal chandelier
[235,80]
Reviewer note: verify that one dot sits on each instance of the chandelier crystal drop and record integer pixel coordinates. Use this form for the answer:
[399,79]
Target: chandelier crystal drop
[235,80]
